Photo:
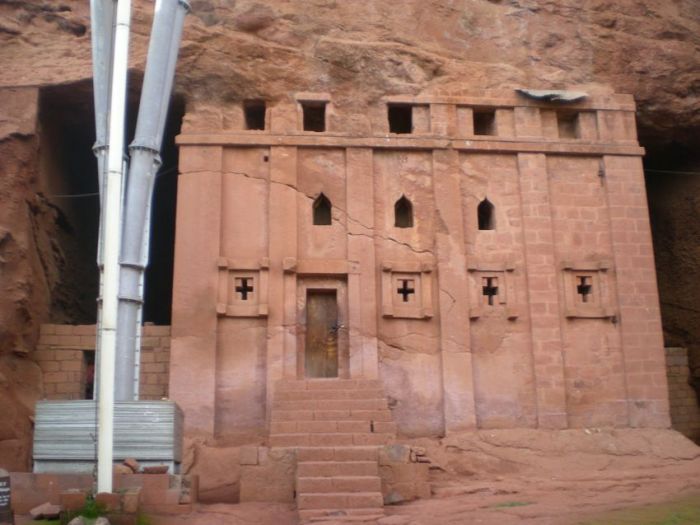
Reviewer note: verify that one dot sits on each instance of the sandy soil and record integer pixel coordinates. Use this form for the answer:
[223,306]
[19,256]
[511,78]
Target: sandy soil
[504,477]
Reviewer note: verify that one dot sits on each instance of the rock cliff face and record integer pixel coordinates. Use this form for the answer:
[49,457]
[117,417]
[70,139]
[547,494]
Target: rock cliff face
[357,51]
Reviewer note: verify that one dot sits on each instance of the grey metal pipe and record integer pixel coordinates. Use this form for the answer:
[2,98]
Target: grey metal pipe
[145,162]
[102,20]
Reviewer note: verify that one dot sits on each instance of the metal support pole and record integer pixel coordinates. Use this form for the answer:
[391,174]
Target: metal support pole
[145,162]
[112,232]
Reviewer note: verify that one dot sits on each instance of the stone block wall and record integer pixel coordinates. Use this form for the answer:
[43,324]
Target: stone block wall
[539,313]
[65,351]
[685,409]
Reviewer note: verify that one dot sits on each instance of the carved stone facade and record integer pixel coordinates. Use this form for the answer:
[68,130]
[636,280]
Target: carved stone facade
[489,259]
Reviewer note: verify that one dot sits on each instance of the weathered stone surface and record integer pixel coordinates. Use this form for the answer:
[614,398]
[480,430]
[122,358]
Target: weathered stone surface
[122,469]
[46,511]
[219,470]
[424,46]
[134,465]
[254,50]
[272,479]
[155,469]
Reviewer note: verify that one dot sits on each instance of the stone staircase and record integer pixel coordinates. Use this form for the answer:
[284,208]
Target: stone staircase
[336,427]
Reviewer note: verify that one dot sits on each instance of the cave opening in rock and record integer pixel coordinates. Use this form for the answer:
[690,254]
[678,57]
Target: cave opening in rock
[68,182]
[672,174]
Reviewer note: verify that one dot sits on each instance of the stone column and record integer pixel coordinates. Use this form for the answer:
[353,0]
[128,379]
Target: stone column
[640,317]
[195,286]
[453,295]
[281,321]
[362,274]
[542,290]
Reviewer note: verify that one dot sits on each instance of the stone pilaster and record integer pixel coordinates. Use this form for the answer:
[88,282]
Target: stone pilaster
[195,286]
[640,317]
[543,293]
[457,374]
[281,337]
[362,275]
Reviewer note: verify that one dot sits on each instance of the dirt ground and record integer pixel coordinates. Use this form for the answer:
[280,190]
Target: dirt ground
[503,477]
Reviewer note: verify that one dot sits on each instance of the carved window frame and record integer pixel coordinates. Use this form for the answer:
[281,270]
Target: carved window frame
[601,306]
[422,305]
[504,272]
[228,303]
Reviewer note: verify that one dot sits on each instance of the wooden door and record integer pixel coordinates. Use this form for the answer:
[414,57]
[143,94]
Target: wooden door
[321,348]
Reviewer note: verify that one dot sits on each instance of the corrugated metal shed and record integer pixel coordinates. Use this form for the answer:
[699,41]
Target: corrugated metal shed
[65,437]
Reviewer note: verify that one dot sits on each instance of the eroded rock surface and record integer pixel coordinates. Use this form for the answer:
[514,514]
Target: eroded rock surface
[356,51]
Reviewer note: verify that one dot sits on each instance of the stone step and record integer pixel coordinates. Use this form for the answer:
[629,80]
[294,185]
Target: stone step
[330,426]
[339,500]
[329,469]
[339,484]
[331,404]
[338,454]
[340,515]
[330,439]
[294,395]
[280,414]
[287,385]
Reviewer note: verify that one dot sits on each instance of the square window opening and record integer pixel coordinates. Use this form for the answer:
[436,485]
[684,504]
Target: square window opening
[314,116]
[484,122]
[400,118]
[89,375]
[254,111]
[568,125]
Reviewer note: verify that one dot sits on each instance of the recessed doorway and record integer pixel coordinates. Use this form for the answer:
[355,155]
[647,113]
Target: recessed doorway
[322,327]
[322,333]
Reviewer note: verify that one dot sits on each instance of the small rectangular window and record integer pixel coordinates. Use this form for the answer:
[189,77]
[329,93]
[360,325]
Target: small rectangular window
[484,122]
[254,111]
[314,116]
[568,125]
[88,375]
[400,118]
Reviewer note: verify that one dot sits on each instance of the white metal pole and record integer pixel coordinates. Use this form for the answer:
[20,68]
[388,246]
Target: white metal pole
[112,234]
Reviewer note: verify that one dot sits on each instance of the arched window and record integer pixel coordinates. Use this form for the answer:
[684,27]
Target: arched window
[403,213]
[322,210]
[486,215]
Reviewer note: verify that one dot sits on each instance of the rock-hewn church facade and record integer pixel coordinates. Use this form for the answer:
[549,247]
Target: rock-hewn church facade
[487,258]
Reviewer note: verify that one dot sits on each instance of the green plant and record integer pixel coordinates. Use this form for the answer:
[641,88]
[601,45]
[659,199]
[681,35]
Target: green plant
[92,509]
[143,519]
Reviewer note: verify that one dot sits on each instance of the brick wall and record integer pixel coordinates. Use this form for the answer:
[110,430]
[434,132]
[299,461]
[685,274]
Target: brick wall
[63,352]
[685,410]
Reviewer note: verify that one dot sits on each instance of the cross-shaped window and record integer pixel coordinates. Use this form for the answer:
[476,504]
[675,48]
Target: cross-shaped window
[405,289]
[243,288]
[584,287]
[490,288]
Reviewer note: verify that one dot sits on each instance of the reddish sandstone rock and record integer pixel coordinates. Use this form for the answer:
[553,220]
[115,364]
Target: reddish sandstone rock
[134,465]
[155,469]
[46,511]
[247,49]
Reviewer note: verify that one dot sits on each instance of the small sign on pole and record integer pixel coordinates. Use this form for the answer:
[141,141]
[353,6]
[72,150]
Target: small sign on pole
[6,517]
